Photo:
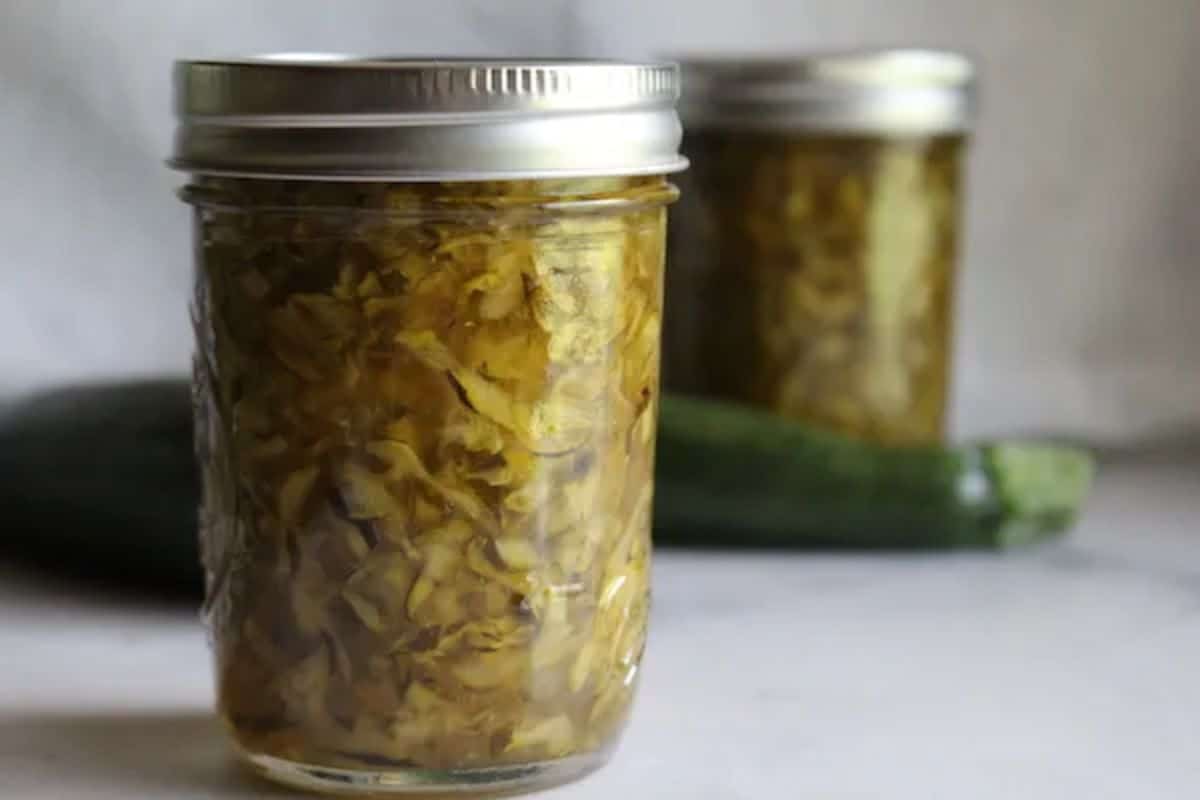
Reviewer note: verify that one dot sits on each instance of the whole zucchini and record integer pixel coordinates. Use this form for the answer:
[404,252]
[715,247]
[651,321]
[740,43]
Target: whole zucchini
[728,475]
[101,480]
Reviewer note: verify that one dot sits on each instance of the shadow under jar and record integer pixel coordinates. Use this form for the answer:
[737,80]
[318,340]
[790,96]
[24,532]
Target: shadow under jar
[814,254]
[427,316]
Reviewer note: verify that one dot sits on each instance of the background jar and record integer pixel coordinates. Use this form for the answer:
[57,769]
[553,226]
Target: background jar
[814,254]
[427,311]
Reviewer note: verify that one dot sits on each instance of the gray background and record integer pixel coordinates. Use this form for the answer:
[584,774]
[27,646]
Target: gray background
[1080,276]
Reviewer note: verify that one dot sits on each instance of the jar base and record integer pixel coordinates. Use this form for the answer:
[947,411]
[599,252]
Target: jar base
[505,779]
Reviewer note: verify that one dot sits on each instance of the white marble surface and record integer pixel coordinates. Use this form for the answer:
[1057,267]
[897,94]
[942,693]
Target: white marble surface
[1072,671]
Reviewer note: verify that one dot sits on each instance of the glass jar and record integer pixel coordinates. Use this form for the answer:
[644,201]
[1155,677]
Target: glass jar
[814,254]
[426,382]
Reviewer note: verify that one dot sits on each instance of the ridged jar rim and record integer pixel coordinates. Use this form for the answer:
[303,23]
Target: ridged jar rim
[345,117]
[884,91]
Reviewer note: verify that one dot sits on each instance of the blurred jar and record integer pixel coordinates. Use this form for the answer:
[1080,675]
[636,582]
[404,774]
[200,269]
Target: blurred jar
[427,311]
[813,255]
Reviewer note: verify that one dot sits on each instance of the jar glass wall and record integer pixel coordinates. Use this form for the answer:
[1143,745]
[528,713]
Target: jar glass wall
[426,424]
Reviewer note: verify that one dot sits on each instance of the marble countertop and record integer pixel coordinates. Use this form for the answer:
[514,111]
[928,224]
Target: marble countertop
[1068,671]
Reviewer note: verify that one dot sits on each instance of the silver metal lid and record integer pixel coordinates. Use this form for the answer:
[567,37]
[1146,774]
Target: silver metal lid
[334,117]
[882,91]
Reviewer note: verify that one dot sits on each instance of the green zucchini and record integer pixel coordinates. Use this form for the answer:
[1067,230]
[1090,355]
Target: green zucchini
[728,475]
[100,480]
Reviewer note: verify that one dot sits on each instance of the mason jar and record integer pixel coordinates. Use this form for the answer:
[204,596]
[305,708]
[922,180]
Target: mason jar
[427,313]
[814,254]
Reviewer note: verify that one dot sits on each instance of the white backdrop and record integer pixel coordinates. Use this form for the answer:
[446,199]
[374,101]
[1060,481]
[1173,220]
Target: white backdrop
[1081,269]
